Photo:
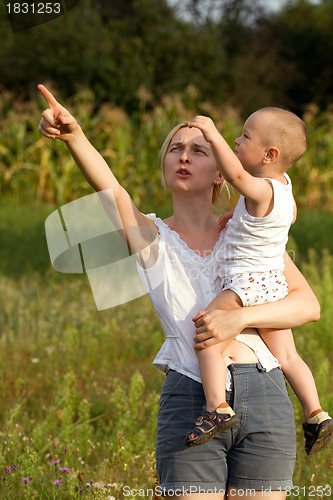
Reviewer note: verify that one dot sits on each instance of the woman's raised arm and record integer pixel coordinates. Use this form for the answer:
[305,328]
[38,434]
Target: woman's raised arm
[58,123]
[300,306]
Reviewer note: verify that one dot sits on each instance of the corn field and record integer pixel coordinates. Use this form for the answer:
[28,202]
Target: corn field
[33,168]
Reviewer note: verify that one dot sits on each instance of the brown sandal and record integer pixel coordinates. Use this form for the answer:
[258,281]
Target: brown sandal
[317,436]
[208,424]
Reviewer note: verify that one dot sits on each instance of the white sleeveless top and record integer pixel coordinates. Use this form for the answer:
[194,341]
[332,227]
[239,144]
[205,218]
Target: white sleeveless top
[180,284]
[257,244]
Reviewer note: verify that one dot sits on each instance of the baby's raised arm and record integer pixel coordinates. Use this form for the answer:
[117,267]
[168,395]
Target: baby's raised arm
[253,188]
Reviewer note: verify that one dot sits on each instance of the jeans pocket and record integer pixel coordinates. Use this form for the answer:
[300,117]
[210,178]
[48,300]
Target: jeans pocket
[281,414]
[173,379]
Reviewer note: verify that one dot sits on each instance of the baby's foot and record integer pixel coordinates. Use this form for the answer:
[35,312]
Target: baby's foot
[210,423]
[317,432]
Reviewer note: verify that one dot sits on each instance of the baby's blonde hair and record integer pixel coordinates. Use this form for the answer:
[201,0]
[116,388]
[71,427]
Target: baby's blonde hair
[217,189]
[286,131]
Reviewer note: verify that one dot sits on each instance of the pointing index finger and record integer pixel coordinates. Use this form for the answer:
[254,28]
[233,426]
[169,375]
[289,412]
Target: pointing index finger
[50,99]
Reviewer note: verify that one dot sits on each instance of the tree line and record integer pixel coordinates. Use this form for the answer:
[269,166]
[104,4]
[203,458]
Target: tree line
[135,52]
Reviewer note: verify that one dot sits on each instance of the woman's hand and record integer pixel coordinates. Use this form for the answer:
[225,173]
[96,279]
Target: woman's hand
[56,122]
[217,326]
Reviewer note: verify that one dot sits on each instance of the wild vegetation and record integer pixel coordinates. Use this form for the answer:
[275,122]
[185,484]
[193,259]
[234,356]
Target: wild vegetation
[234,51]
[79,394]
[32,168]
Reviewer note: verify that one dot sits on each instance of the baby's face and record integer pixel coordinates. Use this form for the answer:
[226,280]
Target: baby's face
[250,149]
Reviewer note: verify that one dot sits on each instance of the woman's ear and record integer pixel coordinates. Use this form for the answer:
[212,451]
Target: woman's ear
[219,178]
[271,155]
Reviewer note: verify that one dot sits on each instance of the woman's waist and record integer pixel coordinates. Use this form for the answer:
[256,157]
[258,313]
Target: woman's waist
[181,351]
[248,347]
[237,352]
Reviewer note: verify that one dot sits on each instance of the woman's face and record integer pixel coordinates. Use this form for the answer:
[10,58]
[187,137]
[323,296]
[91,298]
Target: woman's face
[189,162]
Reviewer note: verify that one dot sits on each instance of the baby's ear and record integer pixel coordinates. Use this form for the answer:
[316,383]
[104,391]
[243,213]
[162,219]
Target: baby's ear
[272,155]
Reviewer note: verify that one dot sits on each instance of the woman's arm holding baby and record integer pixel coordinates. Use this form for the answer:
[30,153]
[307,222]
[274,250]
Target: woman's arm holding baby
[300,306]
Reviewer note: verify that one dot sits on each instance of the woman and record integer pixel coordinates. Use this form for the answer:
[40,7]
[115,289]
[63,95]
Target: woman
[256,457]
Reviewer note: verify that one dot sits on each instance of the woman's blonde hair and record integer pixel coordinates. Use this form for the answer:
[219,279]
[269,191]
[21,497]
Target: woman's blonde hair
[217,189]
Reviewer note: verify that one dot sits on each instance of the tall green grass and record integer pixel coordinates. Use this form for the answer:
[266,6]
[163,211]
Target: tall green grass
[78,391]
[79,394]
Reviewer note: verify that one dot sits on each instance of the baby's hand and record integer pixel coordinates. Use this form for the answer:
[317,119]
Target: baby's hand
[207,127]
[294,213]
[224,218]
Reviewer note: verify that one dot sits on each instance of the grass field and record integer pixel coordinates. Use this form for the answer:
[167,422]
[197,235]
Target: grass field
[79,394]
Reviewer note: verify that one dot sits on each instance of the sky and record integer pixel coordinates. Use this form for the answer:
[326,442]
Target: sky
[277,4]
[270,4]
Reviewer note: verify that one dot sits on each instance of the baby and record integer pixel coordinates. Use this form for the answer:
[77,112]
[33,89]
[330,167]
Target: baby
[251,272]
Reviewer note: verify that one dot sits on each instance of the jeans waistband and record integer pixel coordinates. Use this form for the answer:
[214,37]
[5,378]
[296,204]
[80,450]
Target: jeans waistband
[234,367]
